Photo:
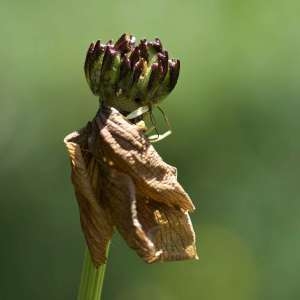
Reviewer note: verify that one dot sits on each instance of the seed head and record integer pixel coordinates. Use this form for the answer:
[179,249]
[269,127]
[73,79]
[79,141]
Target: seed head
[126,75]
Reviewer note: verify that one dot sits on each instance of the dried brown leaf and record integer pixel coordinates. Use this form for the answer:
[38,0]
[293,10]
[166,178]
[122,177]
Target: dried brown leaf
[154,230]
[120,180]
[134,155]
[169,228]
[121,190]
[95,219]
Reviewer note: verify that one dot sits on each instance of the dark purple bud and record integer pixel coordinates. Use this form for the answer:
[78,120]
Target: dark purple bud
[174,65]
[125,67]
[90,49]
[160,68]
[138,69]
[134,57]
[143,49]
[98,50]
[121,40]
[124,43]
[97,47]
[108,58]
[158,45]
[163,61]
[88,59]
[154,76]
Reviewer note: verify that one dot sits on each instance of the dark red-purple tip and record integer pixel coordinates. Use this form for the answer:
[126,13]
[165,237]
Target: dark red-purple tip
[134,57]
[143,49]
[97,47]
[124,67]
[155,70]
[124,44]
[138,69]
[174,65]
[158,45]
[163,61]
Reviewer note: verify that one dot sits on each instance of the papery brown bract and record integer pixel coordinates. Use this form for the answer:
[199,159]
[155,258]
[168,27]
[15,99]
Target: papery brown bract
[121,181]
[94,216]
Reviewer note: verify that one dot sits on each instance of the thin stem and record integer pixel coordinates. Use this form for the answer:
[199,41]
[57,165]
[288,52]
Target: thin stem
[91,281]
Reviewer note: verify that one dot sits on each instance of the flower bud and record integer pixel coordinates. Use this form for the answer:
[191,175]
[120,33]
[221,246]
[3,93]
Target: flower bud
[127,76]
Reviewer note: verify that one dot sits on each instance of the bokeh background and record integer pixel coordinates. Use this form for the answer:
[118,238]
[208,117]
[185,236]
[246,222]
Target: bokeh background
[235,119]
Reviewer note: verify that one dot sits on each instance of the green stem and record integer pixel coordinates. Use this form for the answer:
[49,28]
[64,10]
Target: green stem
[91,281]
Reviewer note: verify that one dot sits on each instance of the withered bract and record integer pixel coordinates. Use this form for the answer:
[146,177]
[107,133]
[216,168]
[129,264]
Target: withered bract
[122,183]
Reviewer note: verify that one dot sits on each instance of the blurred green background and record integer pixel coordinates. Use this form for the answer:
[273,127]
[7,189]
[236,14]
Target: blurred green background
[235,119]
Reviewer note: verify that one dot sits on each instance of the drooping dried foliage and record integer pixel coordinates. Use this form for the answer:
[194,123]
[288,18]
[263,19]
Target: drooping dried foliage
[122,183]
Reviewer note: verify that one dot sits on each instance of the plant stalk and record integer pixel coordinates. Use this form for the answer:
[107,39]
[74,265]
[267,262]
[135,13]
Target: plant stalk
[92,278]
